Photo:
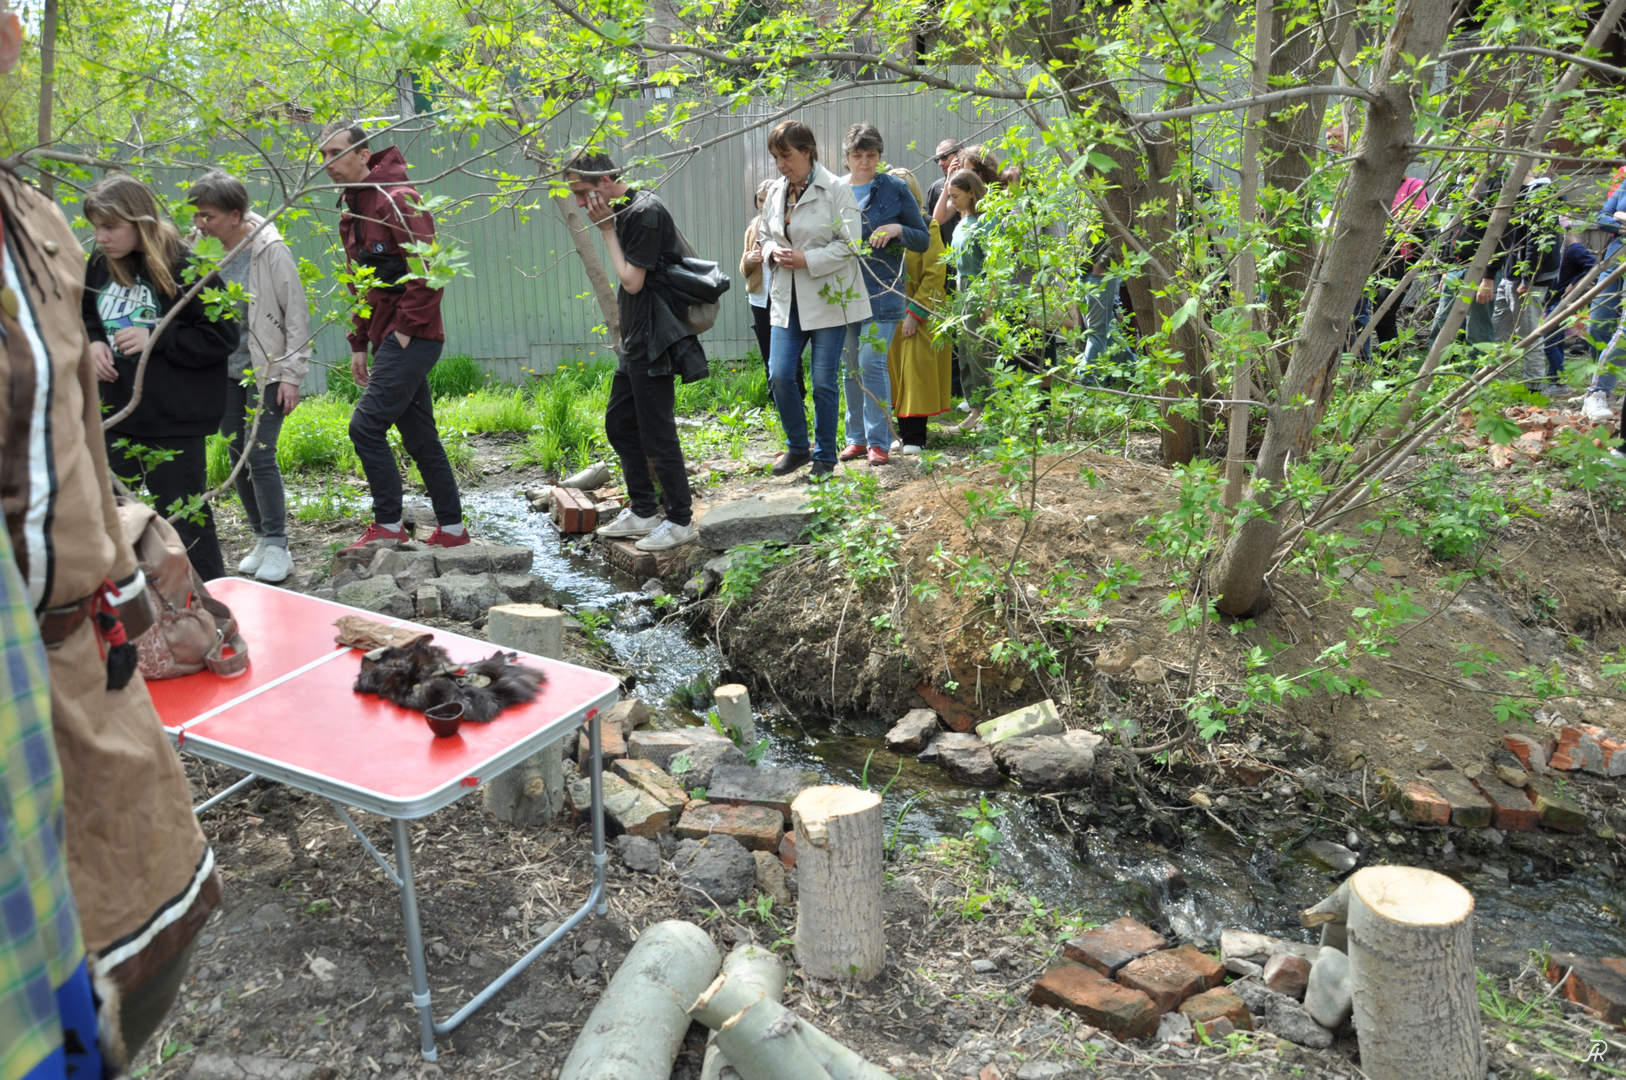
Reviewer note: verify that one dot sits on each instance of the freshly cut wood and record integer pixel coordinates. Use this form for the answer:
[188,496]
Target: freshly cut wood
[533,791]
[840,933]
[734,710]
[752,973]
[754,1025]
[637,1027]
[1411,959]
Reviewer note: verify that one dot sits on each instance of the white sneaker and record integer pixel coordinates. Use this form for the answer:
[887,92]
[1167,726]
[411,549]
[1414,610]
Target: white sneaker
[965,406]
[275,566]
[1615,451]
[668,536]
[1595,406]
[897,444]
[251,562]
[911,450]
[627,525]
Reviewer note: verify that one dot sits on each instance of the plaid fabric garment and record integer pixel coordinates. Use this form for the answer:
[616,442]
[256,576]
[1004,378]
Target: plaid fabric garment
[40,946]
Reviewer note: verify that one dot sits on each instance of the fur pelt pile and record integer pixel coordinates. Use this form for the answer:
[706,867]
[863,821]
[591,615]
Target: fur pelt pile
[421,676]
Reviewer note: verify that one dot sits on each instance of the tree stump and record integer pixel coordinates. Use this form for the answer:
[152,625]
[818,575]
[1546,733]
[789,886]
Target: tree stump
[1411,958]
[839,930]
[734,710]
[533,791]
[637,1027]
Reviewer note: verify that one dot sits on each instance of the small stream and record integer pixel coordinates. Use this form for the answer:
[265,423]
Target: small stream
[1211,883]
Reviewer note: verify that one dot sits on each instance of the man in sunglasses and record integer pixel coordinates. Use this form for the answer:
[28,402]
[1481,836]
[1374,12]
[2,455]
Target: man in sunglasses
[947,158]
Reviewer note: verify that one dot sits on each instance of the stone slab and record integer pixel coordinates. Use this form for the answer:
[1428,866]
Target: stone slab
[626,808]
[910,734]
[1040,718]
[757,827]
[662,746]
[1420,803]
[651,779]
[773,519]
[759,785]
[1108,948]
[625,557]
[1469,809]
[1556,810]
[1125,1013]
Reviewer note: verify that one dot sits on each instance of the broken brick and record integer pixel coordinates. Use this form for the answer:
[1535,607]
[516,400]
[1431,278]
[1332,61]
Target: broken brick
[1422,804]
[1211,1006]
[759,828]
[955,716]
[1597,983]
[787,850]
[573,512]
[1164,977]
[1125,1013]
[1555,810]
[1578,749]
[653,780]
[1108,948]
[612,745]
[1531,751]
[1511,808]
[1287,974]
[1469,809]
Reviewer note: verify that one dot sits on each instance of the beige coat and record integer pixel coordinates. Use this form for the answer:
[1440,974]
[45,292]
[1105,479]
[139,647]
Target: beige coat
[143,877]
[824,225]
[279,316]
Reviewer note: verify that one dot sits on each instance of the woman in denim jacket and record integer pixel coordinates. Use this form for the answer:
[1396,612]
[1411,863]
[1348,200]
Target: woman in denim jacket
[892,222]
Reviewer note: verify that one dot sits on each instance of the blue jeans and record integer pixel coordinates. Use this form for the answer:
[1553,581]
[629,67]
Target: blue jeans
[869,388]
[1480,323]
[1603,324]
[784,361]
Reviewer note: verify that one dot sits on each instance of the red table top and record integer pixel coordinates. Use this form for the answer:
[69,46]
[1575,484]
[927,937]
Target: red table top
[294,717]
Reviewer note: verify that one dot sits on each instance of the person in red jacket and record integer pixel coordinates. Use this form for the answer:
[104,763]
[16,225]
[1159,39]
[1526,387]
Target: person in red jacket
[382,214]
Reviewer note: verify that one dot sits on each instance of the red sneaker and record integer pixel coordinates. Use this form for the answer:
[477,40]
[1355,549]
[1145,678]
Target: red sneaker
[851,453]
[441,538]
[376,532]
[877,456]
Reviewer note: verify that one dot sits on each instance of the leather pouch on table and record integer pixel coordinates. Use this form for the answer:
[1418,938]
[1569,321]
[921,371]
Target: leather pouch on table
[189,629]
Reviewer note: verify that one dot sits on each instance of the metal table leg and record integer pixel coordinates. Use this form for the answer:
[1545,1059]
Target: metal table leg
[211,800]
[595,902]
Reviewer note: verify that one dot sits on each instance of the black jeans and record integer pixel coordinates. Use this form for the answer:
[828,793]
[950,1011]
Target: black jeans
[398,394]
[181,477]
[763,326]
[639,423]
[259,481]
[912,430]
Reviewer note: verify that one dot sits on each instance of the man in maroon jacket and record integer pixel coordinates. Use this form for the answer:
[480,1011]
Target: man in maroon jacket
[382,214]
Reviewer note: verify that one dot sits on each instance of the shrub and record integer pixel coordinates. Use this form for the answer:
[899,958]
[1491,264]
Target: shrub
[456,376]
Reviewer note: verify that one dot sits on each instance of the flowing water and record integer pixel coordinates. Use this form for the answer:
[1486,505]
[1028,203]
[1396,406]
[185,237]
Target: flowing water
[1211,883]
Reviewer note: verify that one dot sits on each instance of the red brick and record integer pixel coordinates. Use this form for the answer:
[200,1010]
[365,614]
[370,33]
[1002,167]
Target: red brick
[757,827]
[1287,974]
[573,511]
[1210,970]
[1556,810]
[787,849]
[1511,808]
[612,743]
[1211,1006]
[1108,948]
[1469,809]
[1578,748]
[653,780]
[1424,805]
[955,716]
[1125,1013]
[1598,984]
[1164,977]
[1531,751]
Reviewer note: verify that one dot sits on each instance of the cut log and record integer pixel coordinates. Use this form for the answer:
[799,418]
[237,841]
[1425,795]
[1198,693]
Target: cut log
[840,933]
[728,1000]
[637,1027]
[734,710]
[532,792]
[759,973]
[595,475]
[765,1043]
[1411,958]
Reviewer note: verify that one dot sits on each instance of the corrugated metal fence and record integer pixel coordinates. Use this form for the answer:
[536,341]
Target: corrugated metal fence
[529,305]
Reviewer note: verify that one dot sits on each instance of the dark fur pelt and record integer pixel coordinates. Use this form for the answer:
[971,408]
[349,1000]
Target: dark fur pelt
[421,676]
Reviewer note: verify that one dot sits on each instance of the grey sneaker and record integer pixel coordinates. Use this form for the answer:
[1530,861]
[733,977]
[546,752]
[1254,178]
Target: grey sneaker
[627,525]
[668,536]
[251,562]
[1595,406]
[275,565]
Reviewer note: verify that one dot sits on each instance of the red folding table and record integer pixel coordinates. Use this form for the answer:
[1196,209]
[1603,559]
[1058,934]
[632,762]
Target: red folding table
[292,717]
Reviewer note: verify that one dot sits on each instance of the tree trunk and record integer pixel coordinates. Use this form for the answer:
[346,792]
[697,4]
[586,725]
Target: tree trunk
[1411,960]
[743,1016]
[755,972]
[48,21]
[533,791]
[839,929]
[1361,220]
[637,1027]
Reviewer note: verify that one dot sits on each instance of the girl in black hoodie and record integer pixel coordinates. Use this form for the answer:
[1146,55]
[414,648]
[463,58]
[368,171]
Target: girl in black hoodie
[135,278]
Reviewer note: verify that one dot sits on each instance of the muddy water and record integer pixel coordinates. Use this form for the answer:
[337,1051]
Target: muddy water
[1209,884]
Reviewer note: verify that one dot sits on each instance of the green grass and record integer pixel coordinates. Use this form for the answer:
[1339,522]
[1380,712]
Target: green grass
[493,409]
[456,376]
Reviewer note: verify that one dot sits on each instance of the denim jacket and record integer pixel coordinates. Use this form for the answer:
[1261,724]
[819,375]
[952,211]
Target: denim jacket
[1606,218]
[890,202]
